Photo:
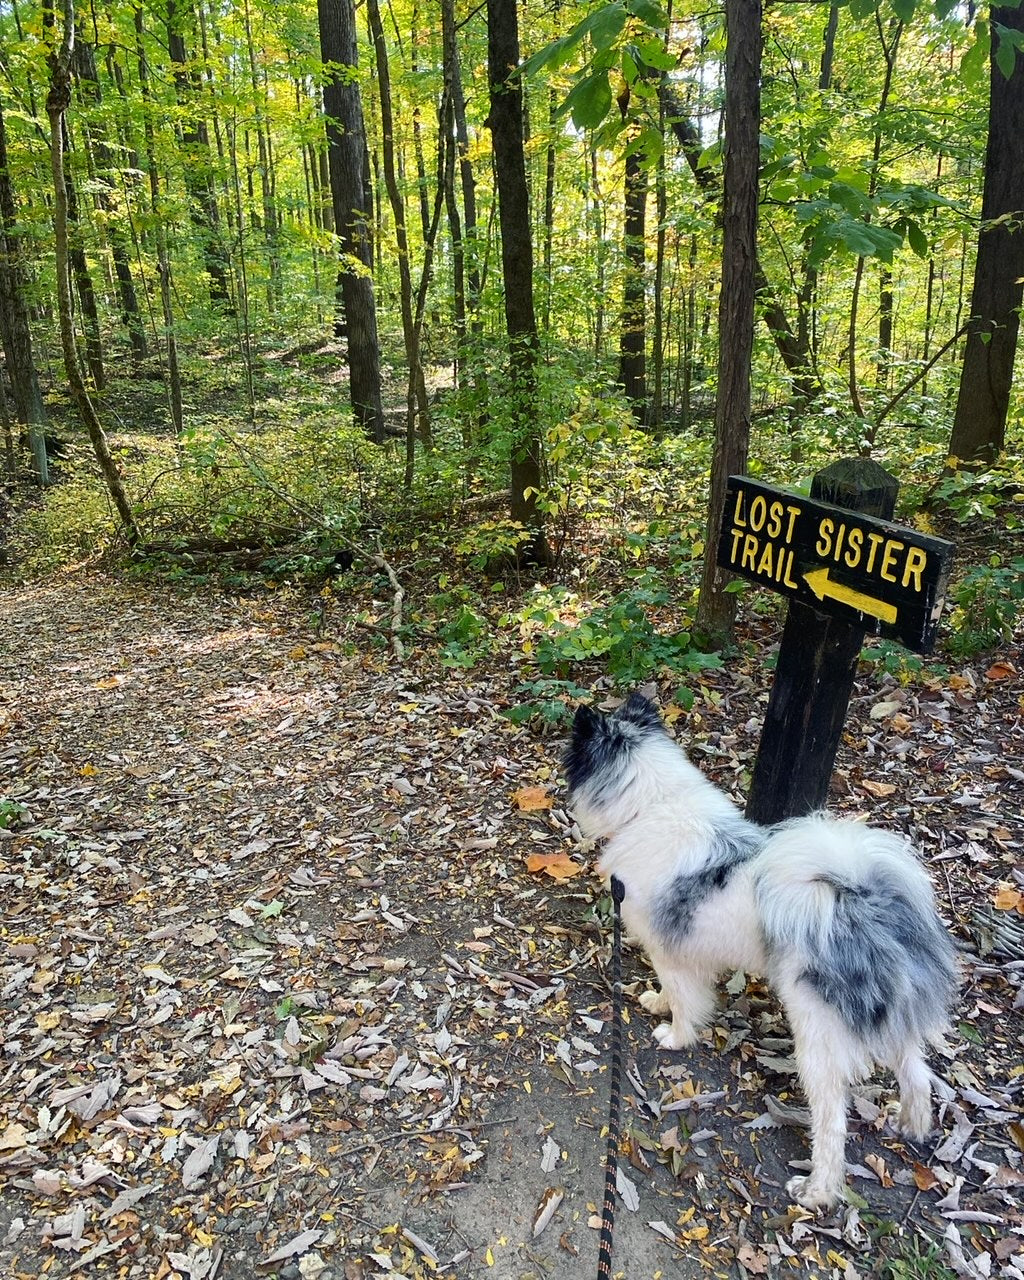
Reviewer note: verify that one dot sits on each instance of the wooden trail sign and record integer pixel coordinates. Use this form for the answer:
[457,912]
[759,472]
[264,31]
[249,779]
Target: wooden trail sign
[846,569]
[876,575]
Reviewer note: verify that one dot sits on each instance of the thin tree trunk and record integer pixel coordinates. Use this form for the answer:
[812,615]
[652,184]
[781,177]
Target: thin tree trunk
[889,51]
[15,332]
[550,156]
[417,128]
[271,231]
[57,101]
[986,379]
[163,258]
[716,611]
[81,276]
[204,211]
[467,251]
[347,155]
[417,393]
[885,327]
[506,124]
[10,459]
[633,317]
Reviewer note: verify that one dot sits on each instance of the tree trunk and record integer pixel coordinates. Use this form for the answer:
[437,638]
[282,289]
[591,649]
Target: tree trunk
[633,317]
[506,124]
[717,607]
[416,398]
[347,158]
[204,211]
[979,425]
[794,348]
[271,231]
[163,258]
[15,333]
[82,278]
[57,101]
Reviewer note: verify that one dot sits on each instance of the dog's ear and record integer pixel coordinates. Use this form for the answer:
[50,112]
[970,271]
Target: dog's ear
[585,722]
[640,711]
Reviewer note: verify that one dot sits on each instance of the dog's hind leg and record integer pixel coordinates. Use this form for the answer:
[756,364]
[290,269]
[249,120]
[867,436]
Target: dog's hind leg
[827,1060]
[915,1081]
[688,996]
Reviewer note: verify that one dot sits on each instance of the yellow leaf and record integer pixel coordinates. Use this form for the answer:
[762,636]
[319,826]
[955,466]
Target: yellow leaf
[559,866]
[489,1258]
[88,770]
[297,653]
[47,1021]
[530,798]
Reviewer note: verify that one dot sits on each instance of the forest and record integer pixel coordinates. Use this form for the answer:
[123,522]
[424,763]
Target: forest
[371,377]
[280,284]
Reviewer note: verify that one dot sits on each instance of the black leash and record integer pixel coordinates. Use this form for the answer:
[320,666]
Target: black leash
[611,1164]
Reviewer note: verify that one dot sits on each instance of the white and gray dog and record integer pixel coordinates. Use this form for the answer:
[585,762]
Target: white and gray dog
[840,918]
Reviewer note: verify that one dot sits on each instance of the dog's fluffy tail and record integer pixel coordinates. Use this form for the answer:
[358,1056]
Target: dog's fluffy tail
[849,911]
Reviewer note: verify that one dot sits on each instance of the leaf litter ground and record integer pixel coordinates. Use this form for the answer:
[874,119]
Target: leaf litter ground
[303,975]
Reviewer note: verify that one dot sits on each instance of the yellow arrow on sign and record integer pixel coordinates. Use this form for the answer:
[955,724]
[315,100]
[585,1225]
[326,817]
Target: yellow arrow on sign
[822,586]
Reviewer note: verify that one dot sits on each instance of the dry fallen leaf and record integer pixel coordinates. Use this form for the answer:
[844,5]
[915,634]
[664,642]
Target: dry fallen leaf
[529,799]
[878,788]
[545,1211]
[1008,899]
[924,1179]
[557,865]
[1001,670]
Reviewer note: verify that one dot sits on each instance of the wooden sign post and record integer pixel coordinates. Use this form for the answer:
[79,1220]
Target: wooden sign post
[847,570]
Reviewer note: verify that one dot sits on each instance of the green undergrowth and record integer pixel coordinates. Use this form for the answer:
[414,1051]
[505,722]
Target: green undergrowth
[295,497]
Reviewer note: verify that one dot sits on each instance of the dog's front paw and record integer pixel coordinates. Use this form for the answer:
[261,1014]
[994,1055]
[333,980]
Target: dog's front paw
[655,1002]
[810,1194]
[673,1035]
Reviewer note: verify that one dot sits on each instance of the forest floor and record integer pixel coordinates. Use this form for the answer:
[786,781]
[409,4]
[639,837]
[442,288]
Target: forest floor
[280,996]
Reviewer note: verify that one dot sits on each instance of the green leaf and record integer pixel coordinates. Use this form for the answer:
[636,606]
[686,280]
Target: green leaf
[589,100]
[860,9]
[865,240]
[647,11]
[710,156]
[653,54]
[1005,52]
[607,24]
[904,9]
[972,65]
[917,239]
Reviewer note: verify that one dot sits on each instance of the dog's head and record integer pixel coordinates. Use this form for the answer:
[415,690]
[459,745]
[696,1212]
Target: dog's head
[601,745]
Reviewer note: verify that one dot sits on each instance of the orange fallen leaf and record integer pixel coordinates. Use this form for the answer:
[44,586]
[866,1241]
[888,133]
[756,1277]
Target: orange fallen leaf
[878,788]
[1001,670]
[1008,899]
[924,1179]
[530,798]
[557,865]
